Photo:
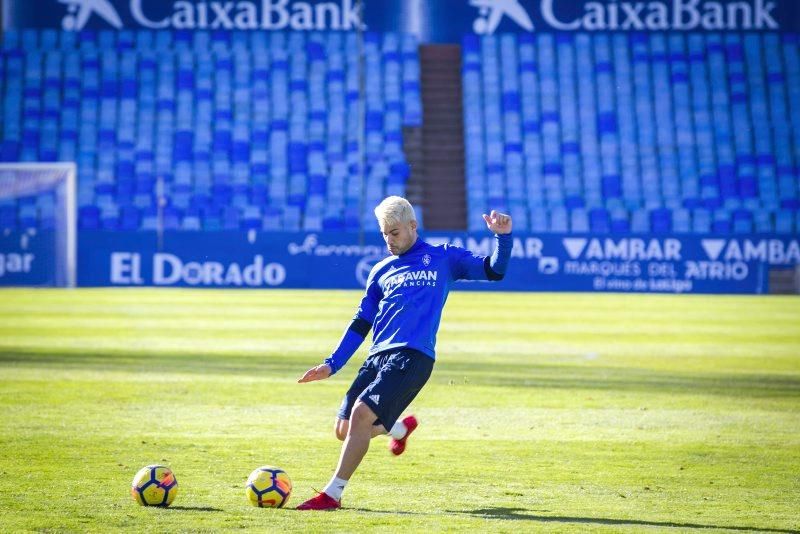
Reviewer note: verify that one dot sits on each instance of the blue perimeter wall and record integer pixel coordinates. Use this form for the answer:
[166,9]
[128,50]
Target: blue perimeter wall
[337,260]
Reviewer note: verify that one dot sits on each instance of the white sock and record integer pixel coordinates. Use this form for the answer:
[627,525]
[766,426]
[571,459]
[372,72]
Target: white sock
[335,488]
[398,431]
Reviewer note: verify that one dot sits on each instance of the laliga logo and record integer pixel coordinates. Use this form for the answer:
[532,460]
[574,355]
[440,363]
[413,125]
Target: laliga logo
[365,266]
[548,265]
[491,12]
[79,11]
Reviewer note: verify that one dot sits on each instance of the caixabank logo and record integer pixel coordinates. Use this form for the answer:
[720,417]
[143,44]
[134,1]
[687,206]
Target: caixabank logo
[483,17]
[79,12]
[613,15]
[215,15]
[492,12]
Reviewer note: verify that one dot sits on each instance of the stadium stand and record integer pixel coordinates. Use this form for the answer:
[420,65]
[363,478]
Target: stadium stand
[210,130]
[647,133]
[604,132]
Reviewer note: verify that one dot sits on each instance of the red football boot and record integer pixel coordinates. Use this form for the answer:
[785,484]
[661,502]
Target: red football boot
[397,446]
[322,501]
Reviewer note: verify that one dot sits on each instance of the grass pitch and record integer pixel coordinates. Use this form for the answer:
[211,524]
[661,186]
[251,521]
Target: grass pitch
[545,411]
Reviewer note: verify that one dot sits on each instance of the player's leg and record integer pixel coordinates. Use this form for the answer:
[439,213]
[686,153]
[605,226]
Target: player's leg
[341,427]
[420,366]
[366,375]
[402,374]
[359,433]
[358,430]
[400,433]
[356,445]
[399,380]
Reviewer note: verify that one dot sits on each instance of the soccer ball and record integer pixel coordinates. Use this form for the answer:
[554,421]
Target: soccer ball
[154,485]
[268,487]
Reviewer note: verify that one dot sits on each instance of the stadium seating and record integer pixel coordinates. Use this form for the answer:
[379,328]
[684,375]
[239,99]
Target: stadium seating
[632,132]
[602,132]
[210,130]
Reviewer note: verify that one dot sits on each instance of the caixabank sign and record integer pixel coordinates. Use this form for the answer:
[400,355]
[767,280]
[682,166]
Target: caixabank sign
[430,20]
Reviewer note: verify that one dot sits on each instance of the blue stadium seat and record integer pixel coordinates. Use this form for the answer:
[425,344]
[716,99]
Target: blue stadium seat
[714,144]
[8,217]
[181,105]
[784,222]
[640,221]
[89,218]
[661,221]
[599,220]
[555,126]
[579,221]
[558,220]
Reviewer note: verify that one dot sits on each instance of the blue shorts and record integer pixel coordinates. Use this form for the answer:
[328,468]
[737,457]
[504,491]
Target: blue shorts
[387,383]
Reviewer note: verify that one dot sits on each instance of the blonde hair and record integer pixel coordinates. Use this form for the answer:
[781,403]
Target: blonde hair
[393,210]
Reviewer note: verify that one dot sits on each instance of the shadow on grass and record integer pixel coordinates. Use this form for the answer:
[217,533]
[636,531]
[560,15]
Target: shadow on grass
[521,514]
[195,509]
[387,512]
[172,362]
[522,374]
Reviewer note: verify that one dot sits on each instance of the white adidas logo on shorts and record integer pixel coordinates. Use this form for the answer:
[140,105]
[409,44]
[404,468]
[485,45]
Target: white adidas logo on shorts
[375,398]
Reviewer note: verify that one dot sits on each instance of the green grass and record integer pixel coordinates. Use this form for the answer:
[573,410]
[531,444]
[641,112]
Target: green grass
[548,412]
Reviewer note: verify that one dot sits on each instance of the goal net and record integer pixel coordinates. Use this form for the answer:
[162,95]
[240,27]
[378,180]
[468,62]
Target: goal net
[38,240]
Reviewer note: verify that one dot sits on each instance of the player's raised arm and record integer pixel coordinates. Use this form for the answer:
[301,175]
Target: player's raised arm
[498,223]
[495,265]
[468,266]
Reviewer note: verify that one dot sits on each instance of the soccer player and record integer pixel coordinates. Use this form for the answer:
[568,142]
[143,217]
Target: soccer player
[402,305]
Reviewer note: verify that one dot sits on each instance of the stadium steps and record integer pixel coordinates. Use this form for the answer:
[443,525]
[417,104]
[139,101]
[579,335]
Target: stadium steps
[412,148]
[444,200]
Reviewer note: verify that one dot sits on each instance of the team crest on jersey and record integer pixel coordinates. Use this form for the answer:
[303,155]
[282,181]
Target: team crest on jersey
[426,260]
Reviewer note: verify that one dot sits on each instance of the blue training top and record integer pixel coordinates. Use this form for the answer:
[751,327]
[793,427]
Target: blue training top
[405,296]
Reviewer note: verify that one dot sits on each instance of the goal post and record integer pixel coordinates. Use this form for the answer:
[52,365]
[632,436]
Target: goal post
[25,180]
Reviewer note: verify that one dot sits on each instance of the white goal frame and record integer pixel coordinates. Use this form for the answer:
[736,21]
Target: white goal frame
[64,182]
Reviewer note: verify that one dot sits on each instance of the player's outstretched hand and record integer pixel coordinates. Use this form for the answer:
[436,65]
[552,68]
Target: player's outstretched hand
[319,372]
[498,223]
